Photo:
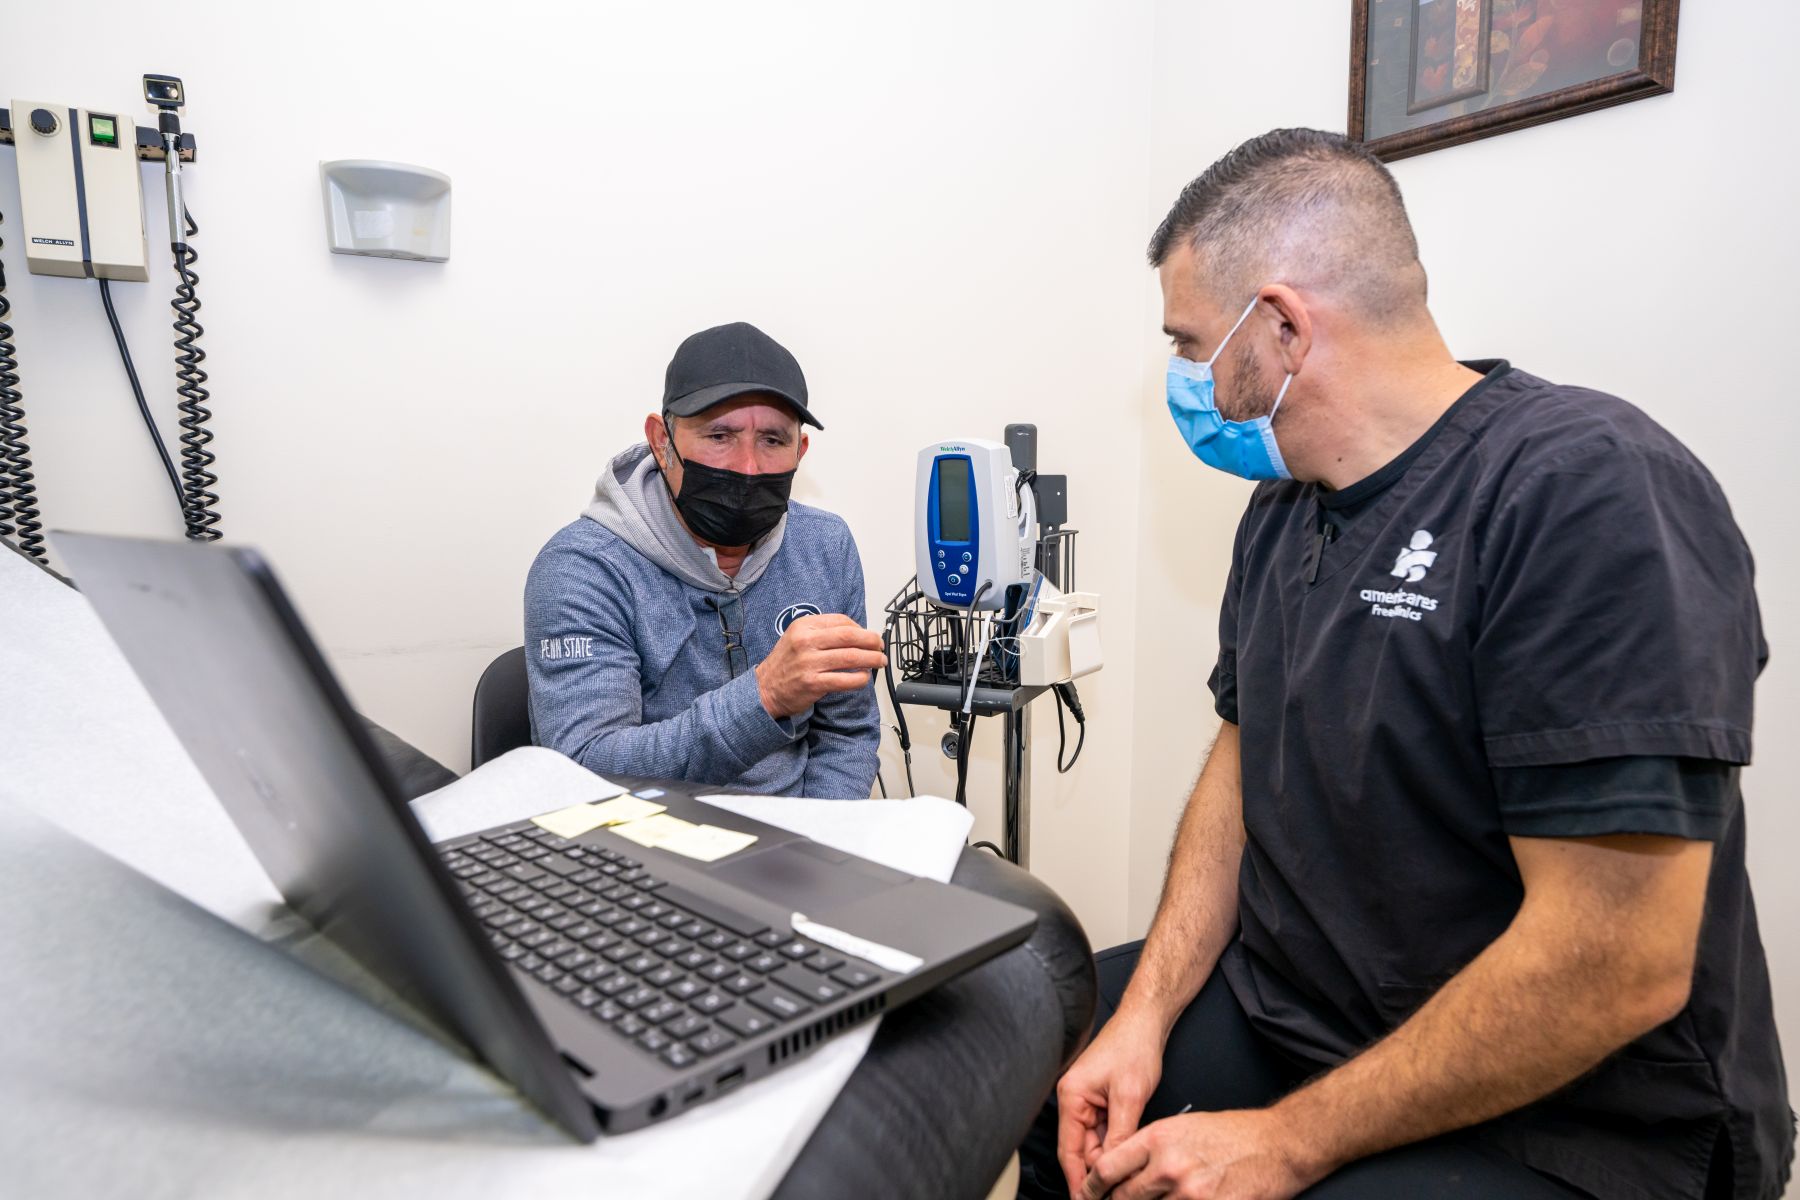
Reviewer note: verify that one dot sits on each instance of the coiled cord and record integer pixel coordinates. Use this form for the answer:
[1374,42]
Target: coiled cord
[19,517]
[197,480]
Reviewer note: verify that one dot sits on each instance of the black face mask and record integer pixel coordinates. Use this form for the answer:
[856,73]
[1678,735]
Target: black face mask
[728,508]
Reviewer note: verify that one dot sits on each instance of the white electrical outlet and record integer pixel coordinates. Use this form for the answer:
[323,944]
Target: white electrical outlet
[81,198]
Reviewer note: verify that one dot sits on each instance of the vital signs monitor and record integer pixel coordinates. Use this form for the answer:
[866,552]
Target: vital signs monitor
[976,524]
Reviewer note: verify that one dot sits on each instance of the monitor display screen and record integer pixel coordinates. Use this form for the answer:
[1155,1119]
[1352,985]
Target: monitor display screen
[954,501]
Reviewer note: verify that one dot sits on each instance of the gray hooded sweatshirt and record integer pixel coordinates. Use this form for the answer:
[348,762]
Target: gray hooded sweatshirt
[626,621]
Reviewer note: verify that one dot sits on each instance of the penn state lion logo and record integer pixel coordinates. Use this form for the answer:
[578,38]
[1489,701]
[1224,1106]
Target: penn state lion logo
[792,613]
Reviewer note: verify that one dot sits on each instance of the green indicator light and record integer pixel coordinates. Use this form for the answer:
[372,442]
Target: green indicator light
[103,131]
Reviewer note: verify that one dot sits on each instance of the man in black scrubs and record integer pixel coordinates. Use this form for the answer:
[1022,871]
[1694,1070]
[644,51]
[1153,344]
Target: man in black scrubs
[1458,904]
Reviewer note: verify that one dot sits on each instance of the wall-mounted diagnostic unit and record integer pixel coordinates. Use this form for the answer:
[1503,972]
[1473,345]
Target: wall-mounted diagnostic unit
[977,527]
[80,196]
[82,204]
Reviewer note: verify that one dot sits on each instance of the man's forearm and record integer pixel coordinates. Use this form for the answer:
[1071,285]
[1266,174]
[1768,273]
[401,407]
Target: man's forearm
[1546,1001]
[1198,911]
[717,738]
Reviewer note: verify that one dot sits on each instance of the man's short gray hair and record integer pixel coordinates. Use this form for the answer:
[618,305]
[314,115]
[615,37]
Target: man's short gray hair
[1302,207]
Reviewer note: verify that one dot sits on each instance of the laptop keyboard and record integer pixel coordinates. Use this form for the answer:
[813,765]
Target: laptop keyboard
[673,972]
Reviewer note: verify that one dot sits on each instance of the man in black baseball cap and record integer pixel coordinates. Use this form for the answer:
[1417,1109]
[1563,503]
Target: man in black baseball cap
[695,623]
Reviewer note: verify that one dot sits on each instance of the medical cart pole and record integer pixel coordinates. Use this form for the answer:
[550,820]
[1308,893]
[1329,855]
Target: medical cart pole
[1021,441]
[1016,729]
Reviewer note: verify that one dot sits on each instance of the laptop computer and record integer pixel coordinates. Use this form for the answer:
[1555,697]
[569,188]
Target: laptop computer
[613,984]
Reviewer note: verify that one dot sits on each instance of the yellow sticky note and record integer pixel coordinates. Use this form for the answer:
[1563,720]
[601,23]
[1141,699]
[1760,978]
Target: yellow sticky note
[570,822]
[653,830]
[627,808]
[706,842]
[579,819]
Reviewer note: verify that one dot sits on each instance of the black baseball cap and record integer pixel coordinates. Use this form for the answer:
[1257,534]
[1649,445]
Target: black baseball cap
[738,359]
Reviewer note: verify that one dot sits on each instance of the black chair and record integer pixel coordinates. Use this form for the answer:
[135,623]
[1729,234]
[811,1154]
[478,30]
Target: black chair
[502,709]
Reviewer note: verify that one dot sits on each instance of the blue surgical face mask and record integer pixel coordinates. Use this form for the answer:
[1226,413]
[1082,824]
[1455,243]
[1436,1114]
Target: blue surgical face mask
[1245,448]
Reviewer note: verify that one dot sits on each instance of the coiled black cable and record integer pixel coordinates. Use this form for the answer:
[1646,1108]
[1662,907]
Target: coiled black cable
[19,517]
[197,480]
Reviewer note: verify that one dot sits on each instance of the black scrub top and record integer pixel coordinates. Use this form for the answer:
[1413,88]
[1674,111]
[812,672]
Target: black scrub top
[1539,621]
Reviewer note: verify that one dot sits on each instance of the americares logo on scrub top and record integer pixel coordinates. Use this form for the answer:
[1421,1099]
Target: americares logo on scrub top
[1410,565]
[1416,559]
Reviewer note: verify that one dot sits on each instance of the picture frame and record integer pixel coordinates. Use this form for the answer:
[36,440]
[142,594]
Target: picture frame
[1426,74]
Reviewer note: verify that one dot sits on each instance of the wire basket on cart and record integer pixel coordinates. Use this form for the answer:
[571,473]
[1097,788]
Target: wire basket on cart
[929,644]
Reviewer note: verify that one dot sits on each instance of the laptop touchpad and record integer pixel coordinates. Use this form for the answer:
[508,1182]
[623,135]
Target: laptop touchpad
[805,882]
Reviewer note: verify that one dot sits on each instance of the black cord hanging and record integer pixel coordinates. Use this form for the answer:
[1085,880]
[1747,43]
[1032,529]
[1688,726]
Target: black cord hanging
[895,607]
[1066,692]
[137,391]
[964,742]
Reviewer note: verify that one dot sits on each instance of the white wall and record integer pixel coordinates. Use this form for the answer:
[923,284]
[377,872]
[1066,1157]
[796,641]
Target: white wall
[935,206]
[1648,250]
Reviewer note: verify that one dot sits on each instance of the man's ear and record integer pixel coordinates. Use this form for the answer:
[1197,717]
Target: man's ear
[804,443]
[657,434]
[1287,311]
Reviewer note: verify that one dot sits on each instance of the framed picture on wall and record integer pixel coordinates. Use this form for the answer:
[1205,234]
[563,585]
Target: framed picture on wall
[1431,73]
